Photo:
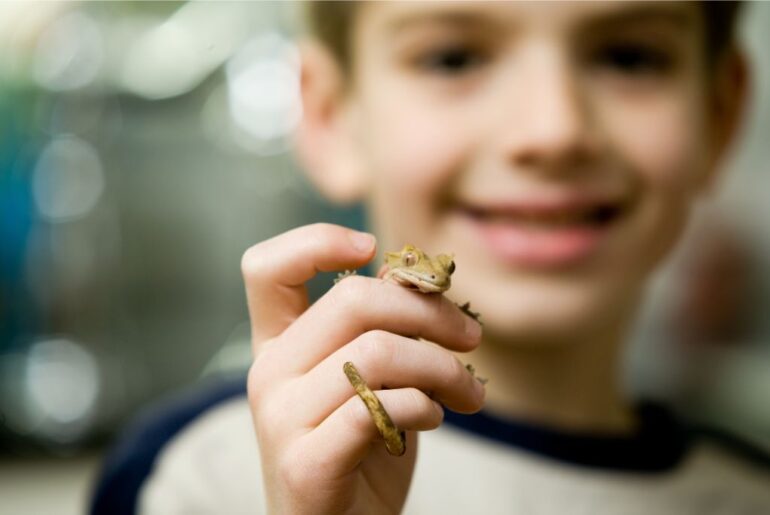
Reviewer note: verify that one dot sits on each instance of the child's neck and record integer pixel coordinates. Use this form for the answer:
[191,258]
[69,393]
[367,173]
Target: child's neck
[572,386]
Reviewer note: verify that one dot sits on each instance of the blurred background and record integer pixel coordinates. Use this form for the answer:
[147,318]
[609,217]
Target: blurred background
[144,146]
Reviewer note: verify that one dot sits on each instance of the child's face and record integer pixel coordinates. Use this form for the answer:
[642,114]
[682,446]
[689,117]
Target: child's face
[556,149]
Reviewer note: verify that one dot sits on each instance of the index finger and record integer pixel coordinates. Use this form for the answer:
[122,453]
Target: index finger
[275,271]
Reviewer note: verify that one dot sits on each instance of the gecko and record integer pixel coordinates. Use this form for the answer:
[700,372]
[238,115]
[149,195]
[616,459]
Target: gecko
[414,269]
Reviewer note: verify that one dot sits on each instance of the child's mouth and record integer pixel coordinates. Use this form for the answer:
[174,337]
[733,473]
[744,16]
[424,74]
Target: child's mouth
[543,235]
[588,216]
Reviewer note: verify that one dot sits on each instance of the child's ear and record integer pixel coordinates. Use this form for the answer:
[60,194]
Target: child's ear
[325,138]
[730,91]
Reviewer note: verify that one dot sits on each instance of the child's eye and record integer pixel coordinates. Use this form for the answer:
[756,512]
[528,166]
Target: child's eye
[633,59]
[450,60]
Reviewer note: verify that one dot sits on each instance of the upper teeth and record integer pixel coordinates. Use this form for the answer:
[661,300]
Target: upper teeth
[560,217]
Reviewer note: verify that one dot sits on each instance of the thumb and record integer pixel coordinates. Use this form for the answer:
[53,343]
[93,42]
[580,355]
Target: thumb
[275,271]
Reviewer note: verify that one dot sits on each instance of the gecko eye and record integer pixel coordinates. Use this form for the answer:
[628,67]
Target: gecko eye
[410,259]
[451,268]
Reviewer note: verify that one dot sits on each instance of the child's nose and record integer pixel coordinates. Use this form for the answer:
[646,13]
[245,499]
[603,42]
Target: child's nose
[552,130]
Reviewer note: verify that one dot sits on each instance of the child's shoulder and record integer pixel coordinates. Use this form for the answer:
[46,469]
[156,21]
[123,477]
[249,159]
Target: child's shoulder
[211,466]
[172,445]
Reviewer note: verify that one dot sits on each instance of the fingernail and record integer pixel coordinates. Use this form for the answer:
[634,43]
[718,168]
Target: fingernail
[439,409]
[472,328]
[481,390]
[361,241]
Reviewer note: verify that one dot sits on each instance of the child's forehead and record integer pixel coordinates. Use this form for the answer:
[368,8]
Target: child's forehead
[396,17]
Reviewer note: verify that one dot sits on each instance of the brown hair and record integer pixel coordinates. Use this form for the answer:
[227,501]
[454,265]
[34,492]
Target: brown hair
[721,19]
[331,22]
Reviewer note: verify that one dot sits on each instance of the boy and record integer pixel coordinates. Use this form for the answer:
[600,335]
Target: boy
[556,150]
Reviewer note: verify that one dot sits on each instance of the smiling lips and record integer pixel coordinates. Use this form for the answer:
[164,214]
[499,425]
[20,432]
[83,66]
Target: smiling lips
[543,235]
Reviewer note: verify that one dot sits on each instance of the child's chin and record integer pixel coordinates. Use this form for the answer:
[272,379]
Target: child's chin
[546,319]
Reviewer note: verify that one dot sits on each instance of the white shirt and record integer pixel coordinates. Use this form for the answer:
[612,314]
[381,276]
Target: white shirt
[212,467]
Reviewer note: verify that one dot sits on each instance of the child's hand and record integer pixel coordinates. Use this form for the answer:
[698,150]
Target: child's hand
[320,450]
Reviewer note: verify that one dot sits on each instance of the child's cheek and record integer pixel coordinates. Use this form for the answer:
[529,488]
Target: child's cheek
[429,149]
[413,153]
[663,143]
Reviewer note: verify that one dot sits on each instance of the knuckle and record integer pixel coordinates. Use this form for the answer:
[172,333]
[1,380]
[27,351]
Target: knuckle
[262,352]
[292,469]
[416,398]
[376,349]
[269,418]
[356,415]
[255,384]
[322,231]
[456,371]
[356,286]
[253,262]
[322,227]
[267,400]
[352,291]
[259,373]
[323,237]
